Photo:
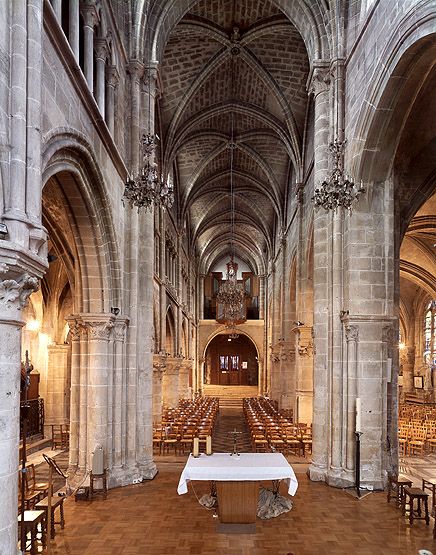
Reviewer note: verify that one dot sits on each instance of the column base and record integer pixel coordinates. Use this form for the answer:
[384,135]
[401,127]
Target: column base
[147,470]
[341,478]
[121,476]
[317,473]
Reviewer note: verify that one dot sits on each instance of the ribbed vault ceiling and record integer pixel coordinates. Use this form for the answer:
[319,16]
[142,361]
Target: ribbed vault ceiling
[238,66]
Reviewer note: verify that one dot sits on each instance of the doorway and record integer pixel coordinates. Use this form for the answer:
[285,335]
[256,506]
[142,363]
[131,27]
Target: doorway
[231,361]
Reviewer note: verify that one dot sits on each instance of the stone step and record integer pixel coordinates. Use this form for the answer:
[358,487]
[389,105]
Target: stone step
[34,445]
[228,391]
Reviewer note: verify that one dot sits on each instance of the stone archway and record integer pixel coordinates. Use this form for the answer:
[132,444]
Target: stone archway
[231,359]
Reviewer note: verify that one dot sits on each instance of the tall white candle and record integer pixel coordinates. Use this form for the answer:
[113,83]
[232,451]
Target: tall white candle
[358,414]
[196,449]
[208,445]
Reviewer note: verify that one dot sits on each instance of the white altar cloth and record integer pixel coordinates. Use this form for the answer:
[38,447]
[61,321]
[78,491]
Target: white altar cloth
[251,467]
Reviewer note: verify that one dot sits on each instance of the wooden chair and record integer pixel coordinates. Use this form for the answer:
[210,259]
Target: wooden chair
[59,436]
[56,503]
[157,440]
[417,441]
[403,440]
[32,484]
[32,521]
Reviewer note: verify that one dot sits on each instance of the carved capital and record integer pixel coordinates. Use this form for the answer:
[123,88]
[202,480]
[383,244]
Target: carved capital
[89,12]
[112,76]
[14,293]
[351,333]
[101,49]
[135,69]
[319,80]
[120,328]
[99,330]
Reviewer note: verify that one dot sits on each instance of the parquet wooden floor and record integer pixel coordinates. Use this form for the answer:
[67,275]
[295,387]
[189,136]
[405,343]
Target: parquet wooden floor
[151,519]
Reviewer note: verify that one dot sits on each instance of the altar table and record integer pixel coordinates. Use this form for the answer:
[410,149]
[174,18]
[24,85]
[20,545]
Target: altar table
[238,480]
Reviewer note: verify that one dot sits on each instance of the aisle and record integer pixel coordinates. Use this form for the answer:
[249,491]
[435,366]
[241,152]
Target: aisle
[229,419]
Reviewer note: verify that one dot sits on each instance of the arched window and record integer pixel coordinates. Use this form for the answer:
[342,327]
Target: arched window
[430,334]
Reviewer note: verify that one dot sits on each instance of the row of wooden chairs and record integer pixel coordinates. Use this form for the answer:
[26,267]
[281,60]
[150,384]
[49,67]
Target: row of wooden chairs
[180,426]
[416,440]
[272,431]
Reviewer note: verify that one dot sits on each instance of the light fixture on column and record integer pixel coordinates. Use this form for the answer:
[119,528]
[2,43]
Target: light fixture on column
[338,189]
[147,188]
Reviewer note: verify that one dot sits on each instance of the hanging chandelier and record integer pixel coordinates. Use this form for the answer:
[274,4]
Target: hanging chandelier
[147,189]
[230,299]
[339,189]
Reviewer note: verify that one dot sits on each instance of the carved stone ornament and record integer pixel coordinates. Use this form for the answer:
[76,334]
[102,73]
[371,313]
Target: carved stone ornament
[351,333]
[75,331]
[13,292]
[320,81]
[99,330]
[120,331]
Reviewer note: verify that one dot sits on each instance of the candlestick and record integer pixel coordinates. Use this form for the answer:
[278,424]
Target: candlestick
[358,414]
[208,445]
[196,449]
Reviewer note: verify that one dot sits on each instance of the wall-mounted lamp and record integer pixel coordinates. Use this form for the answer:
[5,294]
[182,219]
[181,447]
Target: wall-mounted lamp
[3,231]
[115,310]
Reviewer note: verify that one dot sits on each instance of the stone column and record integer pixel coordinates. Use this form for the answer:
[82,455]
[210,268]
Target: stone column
[319,87]
[83,407]
[352,341]
[303,407]
[159,366]
[74,394]
[407,361]
[112,82]
[287,375]
[262,297]
[162,288]
[201,279]
[144,338]
[15,197]
[90,18]
[135,70]
[304,313]
[74,25]
[34,115]
[119,401]
[99,327]
[58,393]
[101,50]
[15,288]
[170,382]
[183,386]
